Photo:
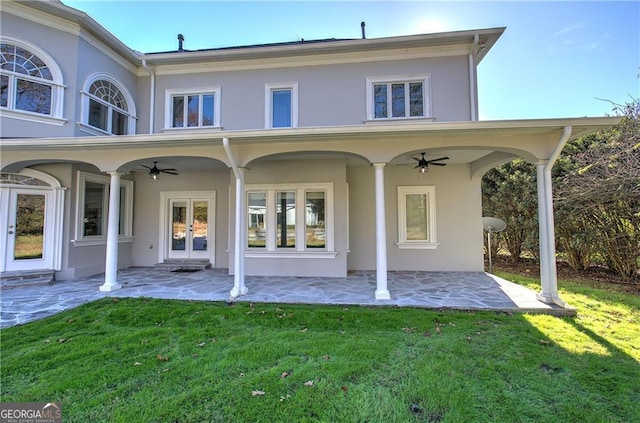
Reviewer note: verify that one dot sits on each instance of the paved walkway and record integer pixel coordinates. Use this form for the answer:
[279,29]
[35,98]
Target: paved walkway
[434,290]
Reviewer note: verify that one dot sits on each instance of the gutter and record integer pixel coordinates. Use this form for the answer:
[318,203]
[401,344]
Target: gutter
[152,95]
[566,133]
[472,77]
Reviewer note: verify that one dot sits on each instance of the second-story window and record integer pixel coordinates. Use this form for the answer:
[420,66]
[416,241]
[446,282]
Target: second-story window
[281,105]
[403,97]
[29,81]
[108,108]
[194,108]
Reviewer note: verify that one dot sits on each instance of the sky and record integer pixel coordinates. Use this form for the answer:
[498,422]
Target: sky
[556,59]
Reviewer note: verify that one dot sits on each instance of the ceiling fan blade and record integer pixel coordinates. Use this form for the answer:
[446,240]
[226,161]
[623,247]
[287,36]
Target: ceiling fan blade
[145,166]
[170,168]
[417,159]
[169,172]
[441,158]
[437,164]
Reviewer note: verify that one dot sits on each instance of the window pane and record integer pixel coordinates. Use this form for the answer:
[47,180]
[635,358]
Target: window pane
[281,108]
[4,90]
[98,115]
[286,218]
[416,99]
[257,211]
[33,97]
[207,109]
[380,101]
[118,123]
[315,208]
[397,100]
[94,194]
[178,112]
[193,110]
[416,217]
[123,208]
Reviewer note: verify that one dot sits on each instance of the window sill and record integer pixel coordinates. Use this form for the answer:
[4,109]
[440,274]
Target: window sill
[99,241]
[192,129]
[291,254]
[417,245]
[32,117]
[88,129]
[399,120]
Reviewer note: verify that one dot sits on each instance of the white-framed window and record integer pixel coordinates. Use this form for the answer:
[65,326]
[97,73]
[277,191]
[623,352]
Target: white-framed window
[399,97]
[290,218]
[417,217]
[92,206]
[107,107]
[281,105]
[192,108]
[31,86]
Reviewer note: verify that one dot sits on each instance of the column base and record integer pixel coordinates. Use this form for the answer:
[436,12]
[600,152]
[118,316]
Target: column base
[110,287]
[551,299]
[382,294]
[235,293]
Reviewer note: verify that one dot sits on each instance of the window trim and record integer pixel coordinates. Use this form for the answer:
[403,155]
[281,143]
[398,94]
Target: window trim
[268,102]
[425,78]
[127,225]
[168,107]
[56,83]
[85,97]
[271,250]
[430,243]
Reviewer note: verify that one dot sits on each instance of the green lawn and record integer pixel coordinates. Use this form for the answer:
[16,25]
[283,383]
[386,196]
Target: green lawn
[143,360]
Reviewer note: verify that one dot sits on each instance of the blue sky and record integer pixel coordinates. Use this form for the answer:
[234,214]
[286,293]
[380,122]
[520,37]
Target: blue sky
[555,59]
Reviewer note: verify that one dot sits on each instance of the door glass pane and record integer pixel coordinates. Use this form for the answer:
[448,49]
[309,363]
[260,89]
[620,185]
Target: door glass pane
[416,216]
[281,108]
[397,100]
[200,225]
[94,194]
[178,226]
[380,101]
[257,210]
[29,231]
[416,99]
[286,218]
[316,233]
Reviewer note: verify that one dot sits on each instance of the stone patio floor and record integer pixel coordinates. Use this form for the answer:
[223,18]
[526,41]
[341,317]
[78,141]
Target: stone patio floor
[430,290]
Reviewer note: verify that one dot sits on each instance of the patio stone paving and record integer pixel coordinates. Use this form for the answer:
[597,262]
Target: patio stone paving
[432,290]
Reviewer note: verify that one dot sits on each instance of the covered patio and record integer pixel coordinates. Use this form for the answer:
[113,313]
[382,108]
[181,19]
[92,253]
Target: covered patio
[429,290]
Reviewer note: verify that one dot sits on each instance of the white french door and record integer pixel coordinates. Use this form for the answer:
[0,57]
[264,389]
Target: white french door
[188,228]
[26,230]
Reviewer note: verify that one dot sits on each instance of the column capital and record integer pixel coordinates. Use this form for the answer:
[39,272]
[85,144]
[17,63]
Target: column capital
[379,164]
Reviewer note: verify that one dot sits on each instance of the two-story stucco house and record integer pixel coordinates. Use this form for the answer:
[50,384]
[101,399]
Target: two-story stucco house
[301,158]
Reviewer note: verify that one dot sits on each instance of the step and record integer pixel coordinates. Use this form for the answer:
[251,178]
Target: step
[183,265]
[17,279]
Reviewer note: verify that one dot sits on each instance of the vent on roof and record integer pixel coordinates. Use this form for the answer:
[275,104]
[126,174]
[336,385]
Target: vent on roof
[362,25]
[180,41]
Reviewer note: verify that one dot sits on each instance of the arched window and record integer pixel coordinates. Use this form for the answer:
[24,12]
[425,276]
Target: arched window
[108,107]
[29,80]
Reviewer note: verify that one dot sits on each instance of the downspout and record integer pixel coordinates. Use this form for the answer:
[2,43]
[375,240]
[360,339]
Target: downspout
[152,95]
[472,77]
[548,270]
[239,287]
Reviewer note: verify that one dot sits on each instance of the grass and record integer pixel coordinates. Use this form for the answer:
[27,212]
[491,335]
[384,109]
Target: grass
[144,360]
